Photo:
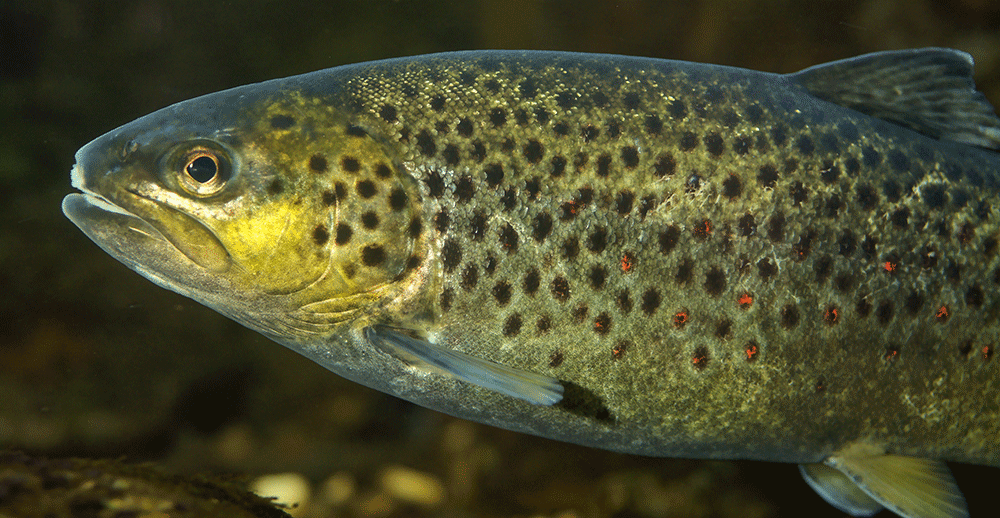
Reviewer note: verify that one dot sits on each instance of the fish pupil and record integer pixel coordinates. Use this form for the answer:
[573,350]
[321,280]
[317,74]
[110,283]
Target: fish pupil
[202,169]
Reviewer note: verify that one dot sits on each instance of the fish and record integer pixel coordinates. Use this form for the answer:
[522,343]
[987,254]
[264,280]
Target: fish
[656,257]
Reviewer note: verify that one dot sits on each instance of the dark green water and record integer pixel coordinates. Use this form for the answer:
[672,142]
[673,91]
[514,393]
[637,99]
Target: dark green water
[98,362]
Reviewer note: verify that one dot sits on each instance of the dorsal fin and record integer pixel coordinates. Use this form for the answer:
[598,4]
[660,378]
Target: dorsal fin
[927,90]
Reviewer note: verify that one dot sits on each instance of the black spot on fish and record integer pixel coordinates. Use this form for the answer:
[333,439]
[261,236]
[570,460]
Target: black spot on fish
[451,155]
[798,193]
[714,144]
[653,125]
[508,238]
[470,277]
[509,199]
[558,165]
[602,324]
[372,255]
[631,100]
[441,220]
[600,100]
[512,326]
[531,282]
[843,282]
[665,165]
[732,186]
[597,275]
[847,243]
[446,296]
[416,227]
[388,113]
[884,312]
[397,199]
[700,359]
[852,166]
[724,329]
[789,316]
[754,113]
[953,272]
[823,268]
[437,103]
[766,269]
[597,240]
[768,176]
[435,184]
[366,189]
[320,235]
[966,233]
[451,255]
[833,206]
[650,301]
[282,122]
[974,296]
[900,218]
[614,129]
[801,249]
[870,157]
[779,135]
[494,174]
[589,132]
[715,281]
[566,100]
[463,190]
[689,141]
[464,127]
[561,129]
[603,166]
[747,225]
[630,156]
[863,307]
[867,197]
[914,301]
[533,151]
[869,246]
[685,271]
[492,85]
[318,163]
[776,227]
[477,226]
[498,116]
[668,238]
[891,190]
[898,161]
[560,289]
[677,109]
[741,145]
[541,227]
[369,220]
[623,203]
[829,173]
[501,292]
[276,187]
[343,234]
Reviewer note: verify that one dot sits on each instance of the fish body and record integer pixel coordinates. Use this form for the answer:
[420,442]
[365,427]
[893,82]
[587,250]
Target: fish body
[648,256]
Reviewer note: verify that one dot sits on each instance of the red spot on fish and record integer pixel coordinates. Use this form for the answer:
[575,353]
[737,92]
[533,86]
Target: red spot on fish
[987,352]
[745,300]
[700,358]
[703,229]
[751,350]
[891,354]
[680,319]
[831,315]
[890,266]
[628,261]
[942,314]
[619,350]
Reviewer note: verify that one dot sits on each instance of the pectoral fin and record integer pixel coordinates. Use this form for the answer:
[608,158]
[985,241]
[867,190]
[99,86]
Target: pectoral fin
[838,490]
[909,486]
[533,388]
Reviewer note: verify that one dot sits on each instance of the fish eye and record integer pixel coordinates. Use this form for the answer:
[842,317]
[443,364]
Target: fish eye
[204,172]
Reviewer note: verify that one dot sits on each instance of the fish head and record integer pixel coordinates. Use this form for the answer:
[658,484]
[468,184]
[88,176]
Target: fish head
[271,209]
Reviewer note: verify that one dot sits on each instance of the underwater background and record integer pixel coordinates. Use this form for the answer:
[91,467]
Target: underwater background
[97,362]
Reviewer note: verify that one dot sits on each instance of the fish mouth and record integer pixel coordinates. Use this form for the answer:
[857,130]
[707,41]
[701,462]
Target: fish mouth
[149,237]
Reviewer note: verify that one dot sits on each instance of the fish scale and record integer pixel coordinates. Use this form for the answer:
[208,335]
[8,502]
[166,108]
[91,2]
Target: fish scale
[648,256]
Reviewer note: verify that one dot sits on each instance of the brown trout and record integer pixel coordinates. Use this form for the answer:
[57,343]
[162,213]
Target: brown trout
[655,257]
